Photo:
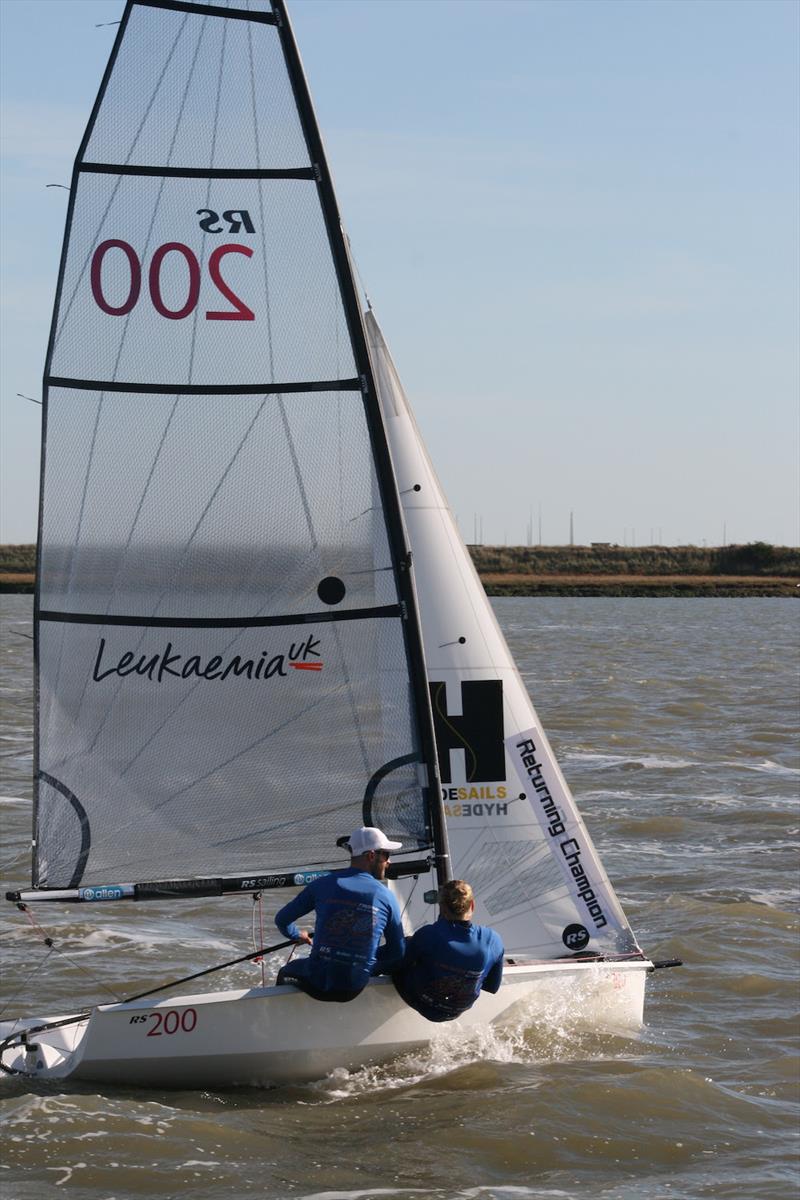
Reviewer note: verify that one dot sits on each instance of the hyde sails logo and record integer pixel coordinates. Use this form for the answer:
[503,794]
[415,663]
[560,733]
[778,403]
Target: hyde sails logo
[174,663]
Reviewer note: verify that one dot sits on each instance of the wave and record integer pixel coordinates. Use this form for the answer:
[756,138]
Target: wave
[509,1191]
[647,762]
[767,766]
[474,1058]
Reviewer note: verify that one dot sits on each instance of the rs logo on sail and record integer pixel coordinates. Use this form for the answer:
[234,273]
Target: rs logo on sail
[300,655]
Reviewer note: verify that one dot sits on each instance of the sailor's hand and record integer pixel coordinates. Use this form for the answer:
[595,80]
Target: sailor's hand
[305,936]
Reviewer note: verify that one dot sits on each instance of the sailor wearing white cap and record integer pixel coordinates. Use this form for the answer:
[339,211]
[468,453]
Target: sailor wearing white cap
[352,912]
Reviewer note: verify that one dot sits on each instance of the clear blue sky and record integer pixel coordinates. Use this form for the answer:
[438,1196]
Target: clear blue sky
[577,221]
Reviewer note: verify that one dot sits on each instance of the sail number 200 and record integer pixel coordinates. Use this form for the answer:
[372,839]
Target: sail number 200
[171,1021]
[239,311]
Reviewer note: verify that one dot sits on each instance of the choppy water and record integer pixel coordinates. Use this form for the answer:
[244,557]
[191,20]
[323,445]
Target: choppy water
[676,724]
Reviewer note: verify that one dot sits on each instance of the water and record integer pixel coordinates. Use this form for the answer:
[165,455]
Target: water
[675,722]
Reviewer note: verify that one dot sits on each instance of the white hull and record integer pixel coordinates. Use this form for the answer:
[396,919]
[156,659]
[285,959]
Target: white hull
[276,1035]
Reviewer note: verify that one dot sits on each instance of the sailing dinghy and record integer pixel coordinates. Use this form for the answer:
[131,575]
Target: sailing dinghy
[256,625]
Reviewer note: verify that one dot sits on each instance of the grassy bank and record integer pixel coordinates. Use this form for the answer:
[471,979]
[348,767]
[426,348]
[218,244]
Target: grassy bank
[757,569]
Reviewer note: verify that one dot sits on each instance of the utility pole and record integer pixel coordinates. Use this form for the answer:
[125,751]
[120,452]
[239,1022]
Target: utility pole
[571,528]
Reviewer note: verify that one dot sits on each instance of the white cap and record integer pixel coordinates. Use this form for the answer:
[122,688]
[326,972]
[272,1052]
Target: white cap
[369,838]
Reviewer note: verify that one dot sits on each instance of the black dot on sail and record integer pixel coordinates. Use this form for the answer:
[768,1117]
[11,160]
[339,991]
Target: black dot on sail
[331,590]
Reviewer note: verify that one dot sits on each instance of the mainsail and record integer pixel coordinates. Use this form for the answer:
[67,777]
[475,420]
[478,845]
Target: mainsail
[229,673]
[513,827]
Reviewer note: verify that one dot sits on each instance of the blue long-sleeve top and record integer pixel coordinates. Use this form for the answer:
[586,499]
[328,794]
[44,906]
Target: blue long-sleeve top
[447,965]
[352,911]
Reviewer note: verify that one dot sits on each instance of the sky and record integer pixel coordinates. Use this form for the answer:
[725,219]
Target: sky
[577,222]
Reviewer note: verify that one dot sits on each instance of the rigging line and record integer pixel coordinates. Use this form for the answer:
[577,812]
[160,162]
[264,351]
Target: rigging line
[10,863]
[258,903]
[115,189]
[210,970]
[410,896]
[96,982]
[50,942]
[25,982]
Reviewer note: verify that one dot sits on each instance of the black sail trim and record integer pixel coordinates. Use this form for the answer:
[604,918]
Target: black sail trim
[351,614]
[209,10]
[80,812]
[95,168]
[207,389]
[372,785]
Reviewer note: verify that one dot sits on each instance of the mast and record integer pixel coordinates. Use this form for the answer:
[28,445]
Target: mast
[386,479]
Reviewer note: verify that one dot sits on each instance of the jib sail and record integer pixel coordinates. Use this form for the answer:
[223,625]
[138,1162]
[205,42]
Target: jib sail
[513,827]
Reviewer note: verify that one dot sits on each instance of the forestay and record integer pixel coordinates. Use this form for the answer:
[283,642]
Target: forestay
[225,678]
[513,827]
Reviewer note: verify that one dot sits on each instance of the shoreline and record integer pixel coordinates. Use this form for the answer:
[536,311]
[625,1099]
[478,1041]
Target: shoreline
[574,584]
[577,584]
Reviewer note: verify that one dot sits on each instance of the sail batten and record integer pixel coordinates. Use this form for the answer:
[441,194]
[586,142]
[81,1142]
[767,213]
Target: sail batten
[93,168]
[207,389]
[153,622]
